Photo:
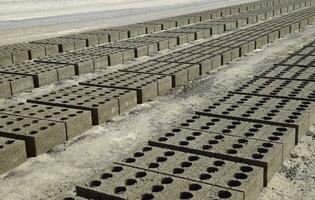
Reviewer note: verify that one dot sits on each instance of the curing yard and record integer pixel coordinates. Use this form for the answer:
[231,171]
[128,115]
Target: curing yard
[191,99]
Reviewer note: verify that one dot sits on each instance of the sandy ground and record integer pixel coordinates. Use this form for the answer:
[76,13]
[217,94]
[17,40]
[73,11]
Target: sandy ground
[25,20]
[53,175]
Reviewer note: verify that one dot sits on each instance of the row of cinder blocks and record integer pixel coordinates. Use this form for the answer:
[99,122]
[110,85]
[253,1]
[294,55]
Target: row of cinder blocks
[212,54]
[300,91]
[207,149]
[16,53]
[26,51]
[119,181]
[98,101]
[90,59]
[60,67]
[237,142]
[236,44]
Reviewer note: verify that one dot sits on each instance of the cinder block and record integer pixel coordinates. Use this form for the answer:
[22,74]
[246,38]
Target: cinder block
[294,27]
[82,63]
[226,57]
[147,185]
[249,151]
[208,170]
[11,84]
[5,88]
[303,23]
[204,61]
[111,54]
[12,153]
[311,20]
[63,45]
[147,86]
[39,135]
[103,103]
[264,132]
[235,53]
[273,36]
[5,58]
[284,31]
[291,119]
[19,55]
[245,178]
[180,73]
[41,73]
[69,117]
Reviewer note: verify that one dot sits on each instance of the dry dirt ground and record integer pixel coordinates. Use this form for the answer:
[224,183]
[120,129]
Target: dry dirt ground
[53,175]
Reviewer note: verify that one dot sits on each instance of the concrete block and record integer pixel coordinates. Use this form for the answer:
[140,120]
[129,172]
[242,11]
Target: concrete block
[226,57]
[294,27]
[5,58]
[114,36]
[11,84]
[147,184]
[117,58]
[39,135]
[311,20]
[63,45]
[41,73]
[265,132]
[69,117]
[82,63]
[147,86]
[303,23]
[291,119]
[19,56]
[209,170]
[204,61]
[235,53]
[101,102]
[224,147]
[50,49]
[180,73]
[180,164]
[245,178]
[215,62]
[266,154]
[12,153]
[251,46]
[127,100]
[284,31]
[273,36]
[5,88]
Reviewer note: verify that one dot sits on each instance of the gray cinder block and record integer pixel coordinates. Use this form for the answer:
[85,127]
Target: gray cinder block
[12,153]
[39,135]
